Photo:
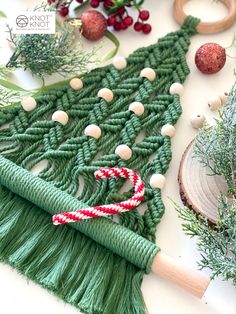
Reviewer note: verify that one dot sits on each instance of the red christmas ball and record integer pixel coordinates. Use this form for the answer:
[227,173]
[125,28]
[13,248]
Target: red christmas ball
[94,25]
[210,58]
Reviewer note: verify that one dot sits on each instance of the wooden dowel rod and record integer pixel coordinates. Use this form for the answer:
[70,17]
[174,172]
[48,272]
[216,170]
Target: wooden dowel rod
[169,268]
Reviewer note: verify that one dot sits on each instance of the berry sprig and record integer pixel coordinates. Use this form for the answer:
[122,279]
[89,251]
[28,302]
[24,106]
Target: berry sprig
[117,14]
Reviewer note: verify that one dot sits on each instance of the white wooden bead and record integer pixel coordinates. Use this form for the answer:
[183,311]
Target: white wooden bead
[28,103]
[93,130]
[106,94]
[157,181]
[197,121]
[214,103]
[168,130]
[60,116]
[123,151]
[223,98]
[119,62]
[149,73]
[137,107]
[176,89]
[76,83]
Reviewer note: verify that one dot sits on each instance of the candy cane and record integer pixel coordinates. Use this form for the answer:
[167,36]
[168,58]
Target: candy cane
[110,209]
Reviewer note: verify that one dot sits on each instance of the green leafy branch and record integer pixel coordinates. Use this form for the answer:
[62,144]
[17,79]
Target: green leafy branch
[45,54]
[216,244]
[215,148]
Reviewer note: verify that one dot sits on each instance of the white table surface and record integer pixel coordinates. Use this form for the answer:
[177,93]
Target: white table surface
[19,295]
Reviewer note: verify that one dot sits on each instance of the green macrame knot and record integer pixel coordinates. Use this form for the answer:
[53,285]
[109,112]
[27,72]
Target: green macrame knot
[190,24]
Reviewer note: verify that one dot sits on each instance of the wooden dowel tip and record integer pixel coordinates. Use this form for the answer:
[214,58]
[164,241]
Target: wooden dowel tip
[192,281]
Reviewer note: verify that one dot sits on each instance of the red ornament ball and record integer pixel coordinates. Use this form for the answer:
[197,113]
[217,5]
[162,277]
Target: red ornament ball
[94,25]
[210,58]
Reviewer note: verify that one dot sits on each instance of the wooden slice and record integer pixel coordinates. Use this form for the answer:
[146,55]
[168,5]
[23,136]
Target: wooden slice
[198,190]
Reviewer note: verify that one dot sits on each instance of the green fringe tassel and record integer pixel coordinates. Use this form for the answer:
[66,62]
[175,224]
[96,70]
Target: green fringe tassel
[66,262]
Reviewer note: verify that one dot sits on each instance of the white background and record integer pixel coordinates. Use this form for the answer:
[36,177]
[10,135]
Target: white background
[18,295]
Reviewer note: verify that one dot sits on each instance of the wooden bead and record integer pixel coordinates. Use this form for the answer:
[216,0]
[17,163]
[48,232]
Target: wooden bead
[168,130]
[28,103]
[149,73]
[123,151]
[137,107]
[106,94]
[76,83]
[157,181]
[223,98]
[197,121]
[119,62]
[176,89]
[60,116]
[93,130]
[214,103]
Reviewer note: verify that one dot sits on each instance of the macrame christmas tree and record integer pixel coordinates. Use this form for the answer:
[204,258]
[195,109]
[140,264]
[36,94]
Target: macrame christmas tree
[62,259]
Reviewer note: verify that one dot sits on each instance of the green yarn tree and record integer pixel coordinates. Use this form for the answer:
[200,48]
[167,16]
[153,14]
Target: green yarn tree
[62,259]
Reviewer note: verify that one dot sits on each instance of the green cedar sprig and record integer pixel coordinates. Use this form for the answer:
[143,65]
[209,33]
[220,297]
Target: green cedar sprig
[215,148]
[46,54]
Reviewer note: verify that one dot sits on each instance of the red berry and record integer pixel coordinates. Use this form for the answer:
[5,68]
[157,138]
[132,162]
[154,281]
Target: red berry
[51,1]
[144,15]
[94,3]
[128,20]
[107,4]
[80,1]
[138,26]
[120,11]
[146,28]
[123,25]
[64,11]
[117,26]
[111,20]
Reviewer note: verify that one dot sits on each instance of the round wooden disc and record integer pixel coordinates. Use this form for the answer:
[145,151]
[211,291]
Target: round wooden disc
[208,27]
[198,189]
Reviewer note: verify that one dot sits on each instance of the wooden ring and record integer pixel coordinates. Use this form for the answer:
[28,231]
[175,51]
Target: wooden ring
[208,27]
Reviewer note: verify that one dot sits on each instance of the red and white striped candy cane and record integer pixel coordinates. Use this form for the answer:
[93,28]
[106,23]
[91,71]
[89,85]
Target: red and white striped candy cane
[110,209]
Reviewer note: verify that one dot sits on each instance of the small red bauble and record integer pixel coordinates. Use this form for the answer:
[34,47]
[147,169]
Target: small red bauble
[94,25]
[210,58]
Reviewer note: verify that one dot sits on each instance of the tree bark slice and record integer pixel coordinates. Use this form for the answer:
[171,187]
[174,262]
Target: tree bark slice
[199,190]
